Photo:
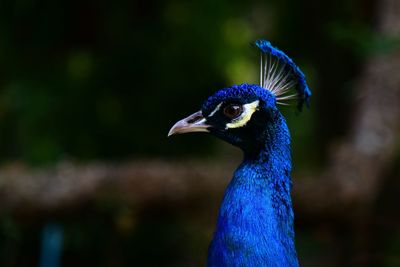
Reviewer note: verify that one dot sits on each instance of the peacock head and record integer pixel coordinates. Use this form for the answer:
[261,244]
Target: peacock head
[241,114]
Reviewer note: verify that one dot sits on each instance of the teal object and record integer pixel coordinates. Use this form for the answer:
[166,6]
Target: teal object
[52,244]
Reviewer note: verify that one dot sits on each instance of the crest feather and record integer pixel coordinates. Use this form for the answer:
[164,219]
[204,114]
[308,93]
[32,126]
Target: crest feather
[279,74]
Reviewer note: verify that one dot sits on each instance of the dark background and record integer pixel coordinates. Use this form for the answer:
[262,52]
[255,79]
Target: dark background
[92,87]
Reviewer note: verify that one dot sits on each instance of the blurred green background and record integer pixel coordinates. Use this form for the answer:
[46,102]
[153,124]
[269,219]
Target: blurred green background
[107,79]
[103,81]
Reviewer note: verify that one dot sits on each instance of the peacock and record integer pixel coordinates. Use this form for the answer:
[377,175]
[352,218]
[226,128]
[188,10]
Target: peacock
[255,220]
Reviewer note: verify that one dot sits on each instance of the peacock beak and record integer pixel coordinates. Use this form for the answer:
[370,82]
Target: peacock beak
[194,123]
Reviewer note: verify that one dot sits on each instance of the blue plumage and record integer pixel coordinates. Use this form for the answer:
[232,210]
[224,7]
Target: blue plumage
[255,221]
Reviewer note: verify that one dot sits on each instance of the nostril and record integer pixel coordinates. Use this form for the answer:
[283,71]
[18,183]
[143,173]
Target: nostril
[195,119]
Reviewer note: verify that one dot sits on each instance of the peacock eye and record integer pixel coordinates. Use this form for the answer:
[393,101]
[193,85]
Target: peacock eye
[233,111]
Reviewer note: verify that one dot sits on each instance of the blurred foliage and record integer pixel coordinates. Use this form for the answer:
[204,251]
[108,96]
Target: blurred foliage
[107,79]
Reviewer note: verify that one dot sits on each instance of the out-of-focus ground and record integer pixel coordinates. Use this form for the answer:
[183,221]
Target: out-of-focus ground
[88,92]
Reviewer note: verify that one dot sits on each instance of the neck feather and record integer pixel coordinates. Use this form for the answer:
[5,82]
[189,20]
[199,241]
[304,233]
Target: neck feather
[255,223]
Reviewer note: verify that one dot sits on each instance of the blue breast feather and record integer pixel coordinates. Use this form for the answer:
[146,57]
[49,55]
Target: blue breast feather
[255,222]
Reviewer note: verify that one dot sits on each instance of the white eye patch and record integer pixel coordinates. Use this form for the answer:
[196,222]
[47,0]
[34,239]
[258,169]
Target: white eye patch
[215,110]
[244,118]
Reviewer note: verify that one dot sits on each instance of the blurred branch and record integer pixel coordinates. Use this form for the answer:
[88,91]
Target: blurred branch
[26,189]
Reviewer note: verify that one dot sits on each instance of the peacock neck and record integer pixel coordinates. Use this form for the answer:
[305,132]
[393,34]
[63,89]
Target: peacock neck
[255,222]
